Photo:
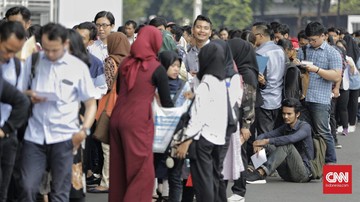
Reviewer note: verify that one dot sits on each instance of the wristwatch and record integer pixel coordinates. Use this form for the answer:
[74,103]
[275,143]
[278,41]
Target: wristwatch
[86,130]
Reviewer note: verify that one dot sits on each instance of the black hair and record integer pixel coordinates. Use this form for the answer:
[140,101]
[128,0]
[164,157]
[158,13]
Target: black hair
[333,29]
[342,41]
[131,22]
[356,33]
[54,31]
[301,34]
[203,18]
[121,29]
[282,29]
[139,27]
[8,28]
[264,29]
[314,29]
[235,33]
[77,47]
[224,29]
[274,24]
[158,21]
[106,14]
[91,27]
[292,103]
[35,30]
[286,44]
[177,31]
[187,29]
[25,12]
[247,35]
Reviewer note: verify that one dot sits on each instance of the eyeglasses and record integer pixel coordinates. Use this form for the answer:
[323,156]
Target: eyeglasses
[104,25]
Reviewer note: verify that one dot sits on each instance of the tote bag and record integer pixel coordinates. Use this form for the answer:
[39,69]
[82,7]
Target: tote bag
[165,121]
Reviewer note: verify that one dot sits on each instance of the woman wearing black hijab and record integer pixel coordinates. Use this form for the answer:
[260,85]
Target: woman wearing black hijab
[245,59]
[208,123]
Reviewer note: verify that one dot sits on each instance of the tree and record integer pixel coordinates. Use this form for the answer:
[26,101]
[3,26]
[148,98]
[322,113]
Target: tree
[180,11]
[233,14]
[348,6]
[134,9]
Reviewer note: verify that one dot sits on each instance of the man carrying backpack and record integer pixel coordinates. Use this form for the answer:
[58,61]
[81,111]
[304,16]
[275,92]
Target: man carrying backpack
[290,148]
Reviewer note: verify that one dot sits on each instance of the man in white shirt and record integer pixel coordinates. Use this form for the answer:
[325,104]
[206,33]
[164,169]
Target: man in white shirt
[58,84]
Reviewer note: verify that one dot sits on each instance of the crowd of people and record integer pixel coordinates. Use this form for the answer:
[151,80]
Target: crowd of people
[56,83]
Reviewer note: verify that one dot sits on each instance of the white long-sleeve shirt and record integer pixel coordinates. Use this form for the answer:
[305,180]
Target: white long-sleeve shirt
[209,111]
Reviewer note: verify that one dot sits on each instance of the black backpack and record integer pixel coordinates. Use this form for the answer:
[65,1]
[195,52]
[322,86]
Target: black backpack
[292,82]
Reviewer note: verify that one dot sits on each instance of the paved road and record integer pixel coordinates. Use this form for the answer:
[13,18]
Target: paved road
[280,191]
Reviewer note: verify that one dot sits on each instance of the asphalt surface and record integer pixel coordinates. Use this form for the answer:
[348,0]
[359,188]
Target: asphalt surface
[277,190]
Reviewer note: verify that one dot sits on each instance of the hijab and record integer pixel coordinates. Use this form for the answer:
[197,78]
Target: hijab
[211,61]
[229,62]
[118,46]
[352,49]
[167,58]
[143,54]
[245,60]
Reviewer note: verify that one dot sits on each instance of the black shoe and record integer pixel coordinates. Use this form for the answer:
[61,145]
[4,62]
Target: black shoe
[93,181]
[255,178]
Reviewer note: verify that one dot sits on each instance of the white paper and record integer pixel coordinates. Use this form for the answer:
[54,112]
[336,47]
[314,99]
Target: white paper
[50,96]
[259,158]
[304,62]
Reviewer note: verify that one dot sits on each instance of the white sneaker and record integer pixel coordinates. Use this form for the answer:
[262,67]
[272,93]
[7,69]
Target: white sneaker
[351,128]
[339,129]
[236,198]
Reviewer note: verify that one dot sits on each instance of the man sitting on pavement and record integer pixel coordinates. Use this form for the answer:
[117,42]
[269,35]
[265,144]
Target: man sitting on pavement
[287,148]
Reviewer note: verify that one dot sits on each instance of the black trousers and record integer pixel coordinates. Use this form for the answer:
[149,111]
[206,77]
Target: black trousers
[205,169]
[342,110]
[353,105]
[8,149]
[267,120]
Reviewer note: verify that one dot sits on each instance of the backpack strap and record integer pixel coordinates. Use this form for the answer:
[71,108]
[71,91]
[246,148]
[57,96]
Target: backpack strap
[34,63]
[304,51]
[178,91]
[17,69]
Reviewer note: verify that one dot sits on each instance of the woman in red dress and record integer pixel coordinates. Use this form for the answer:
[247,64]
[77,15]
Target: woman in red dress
[131,124]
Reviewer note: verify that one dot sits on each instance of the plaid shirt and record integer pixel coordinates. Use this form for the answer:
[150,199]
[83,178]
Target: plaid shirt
[325,57]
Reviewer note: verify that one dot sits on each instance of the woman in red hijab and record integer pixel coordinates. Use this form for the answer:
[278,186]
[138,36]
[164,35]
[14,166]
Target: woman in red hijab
[131,123]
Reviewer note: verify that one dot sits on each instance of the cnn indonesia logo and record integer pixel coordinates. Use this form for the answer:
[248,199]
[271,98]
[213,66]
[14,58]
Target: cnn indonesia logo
[338,179]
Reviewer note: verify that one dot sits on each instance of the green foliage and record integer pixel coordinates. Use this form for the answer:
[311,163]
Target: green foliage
[179,11]
[348,7]
[134,9]
[229,13]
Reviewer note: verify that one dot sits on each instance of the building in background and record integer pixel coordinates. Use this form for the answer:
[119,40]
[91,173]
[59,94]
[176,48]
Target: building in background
[66,12]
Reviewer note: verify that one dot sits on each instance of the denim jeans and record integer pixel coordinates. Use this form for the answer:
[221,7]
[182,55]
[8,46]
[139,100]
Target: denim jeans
[175,181]
[288,162]
[320,117]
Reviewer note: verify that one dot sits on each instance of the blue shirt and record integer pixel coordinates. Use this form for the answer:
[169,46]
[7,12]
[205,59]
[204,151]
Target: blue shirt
[9,74]
[69,78]
[98,76]
[275,68]
[325,57]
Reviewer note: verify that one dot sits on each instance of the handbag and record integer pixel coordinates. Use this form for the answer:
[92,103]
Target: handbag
[165,122]
[354,80]
[102,131]
[180,131]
